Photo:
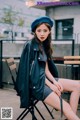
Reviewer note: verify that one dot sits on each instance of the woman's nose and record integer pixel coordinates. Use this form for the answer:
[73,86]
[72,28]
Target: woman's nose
[42,33]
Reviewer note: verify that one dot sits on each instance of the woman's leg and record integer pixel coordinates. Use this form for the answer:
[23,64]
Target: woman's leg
[54,101]
[74,87]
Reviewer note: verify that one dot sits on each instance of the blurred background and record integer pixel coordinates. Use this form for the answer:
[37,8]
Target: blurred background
[16,17]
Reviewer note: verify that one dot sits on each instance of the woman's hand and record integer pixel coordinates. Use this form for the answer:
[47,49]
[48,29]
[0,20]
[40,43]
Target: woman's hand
[55,89]
[58,85]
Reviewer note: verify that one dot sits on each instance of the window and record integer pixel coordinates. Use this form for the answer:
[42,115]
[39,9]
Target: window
[64,29]
[15,34]
[22,34]
[6,32]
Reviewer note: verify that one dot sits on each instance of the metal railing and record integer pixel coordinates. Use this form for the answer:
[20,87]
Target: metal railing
[2,57]
[72,50]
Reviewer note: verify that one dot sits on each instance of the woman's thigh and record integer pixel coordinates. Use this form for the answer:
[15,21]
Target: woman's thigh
[53,100]
[68,84]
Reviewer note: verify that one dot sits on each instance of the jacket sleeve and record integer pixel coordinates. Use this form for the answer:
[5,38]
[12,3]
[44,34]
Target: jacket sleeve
[22,80]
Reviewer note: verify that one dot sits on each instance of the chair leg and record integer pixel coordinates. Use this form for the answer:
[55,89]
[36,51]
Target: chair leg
[32,109]
[48,110]
[25,112]
[32,112]
[21,114]
[39,113]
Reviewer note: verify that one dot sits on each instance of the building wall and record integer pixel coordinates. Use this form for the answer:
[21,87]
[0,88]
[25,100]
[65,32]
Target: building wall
[19,7]
[66,12]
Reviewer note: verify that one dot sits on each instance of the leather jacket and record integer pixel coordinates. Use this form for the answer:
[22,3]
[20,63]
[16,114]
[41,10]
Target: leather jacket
[23,80]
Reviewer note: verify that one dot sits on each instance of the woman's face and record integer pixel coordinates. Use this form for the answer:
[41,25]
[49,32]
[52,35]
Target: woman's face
[42,32]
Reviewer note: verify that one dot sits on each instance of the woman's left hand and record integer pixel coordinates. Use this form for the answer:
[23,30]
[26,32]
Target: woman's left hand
[58,85]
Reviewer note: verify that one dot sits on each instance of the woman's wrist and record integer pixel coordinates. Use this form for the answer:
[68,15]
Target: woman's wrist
[53,80]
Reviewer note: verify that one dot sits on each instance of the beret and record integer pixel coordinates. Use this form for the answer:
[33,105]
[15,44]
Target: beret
[40,20]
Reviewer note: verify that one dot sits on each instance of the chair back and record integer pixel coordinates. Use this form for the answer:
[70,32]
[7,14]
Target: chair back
[72,60]
[13,71]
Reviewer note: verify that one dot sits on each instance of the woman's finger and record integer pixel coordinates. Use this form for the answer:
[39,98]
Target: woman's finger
[61,87]
[57,91]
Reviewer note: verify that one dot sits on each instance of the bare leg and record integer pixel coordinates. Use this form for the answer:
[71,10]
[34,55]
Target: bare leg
[54,101]
[74,87]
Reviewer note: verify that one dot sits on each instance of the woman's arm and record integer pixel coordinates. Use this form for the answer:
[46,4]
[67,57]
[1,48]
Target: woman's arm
[52,79]
[53,87]
[48,74]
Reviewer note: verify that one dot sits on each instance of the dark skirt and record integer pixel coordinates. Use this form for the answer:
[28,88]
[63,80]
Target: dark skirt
[47,90]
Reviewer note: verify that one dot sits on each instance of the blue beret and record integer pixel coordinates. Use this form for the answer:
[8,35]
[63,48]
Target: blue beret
[40,20]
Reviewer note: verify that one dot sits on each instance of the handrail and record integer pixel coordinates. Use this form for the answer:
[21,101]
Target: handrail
[72,62]
[71,57]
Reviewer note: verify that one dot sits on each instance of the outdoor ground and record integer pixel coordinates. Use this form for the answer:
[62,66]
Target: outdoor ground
[8,98]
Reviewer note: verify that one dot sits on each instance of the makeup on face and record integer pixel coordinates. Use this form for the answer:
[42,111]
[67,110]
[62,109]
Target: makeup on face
[42,32]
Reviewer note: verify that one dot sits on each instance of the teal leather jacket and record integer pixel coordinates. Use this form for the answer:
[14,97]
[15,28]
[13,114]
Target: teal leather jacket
[30,82]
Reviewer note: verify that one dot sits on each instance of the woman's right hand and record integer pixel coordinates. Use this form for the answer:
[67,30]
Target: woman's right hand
[55,89]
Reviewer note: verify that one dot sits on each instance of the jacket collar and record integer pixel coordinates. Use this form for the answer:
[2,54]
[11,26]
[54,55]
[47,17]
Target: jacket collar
[35,44]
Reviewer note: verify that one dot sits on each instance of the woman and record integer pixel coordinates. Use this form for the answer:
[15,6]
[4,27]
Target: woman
[43,83]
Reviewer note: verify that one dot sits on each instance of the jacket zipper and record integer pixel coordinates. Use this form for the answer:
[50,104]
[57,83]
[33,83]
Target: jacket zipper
[31,66]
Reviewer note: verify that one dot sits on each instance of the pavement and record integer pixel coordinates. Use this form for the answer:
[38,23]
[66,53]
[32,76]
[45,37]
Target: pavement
[8,98]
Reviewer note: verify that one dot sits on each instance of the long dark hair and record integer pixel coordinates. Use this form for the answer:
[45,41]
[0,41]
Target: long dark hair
[46,43]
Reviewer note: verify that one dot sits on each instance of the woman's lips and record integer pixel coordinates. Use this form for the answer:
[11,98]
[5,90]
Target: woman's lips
[42,37]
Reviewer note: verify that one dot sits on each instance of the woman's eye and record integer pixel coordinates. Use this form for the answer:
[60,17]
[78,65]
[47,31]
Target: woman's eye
[38,30]
[45,30]
[41,30]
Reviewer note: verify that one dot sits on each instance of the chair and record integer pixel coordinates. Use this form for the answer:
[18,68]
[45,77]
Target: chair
[13,69]
[72,60]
